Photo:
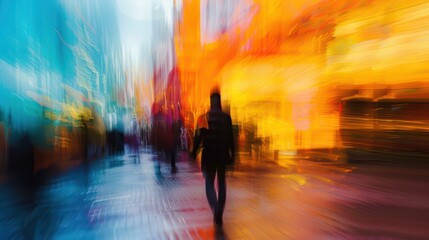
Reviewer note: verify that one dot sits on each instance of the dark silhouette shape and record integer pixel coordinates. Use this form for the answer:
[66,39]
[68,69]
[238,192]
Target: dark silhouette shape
[165,134]
[21,155]
[214,131]
[175,124]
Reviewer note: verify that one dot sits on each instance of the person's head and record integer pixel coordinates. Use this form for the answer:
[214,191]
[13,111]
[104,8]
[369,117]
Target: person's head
[215,101]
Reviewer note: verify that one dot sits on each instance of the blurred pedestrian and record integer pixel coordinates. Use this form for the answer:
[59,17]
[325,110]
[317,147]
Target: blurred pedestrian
[214,131]
[171,137]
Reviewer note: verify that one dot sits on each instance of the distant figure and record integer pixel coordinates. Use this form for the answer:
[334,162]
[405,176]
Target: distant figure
[214,131]
[165,134]
[184,138]
[170,138]
[134,137]
[174,135]
[111,141]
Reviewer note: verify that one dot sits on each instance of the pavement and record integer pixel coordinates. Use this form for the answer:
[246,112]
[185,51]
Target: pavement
[136,196]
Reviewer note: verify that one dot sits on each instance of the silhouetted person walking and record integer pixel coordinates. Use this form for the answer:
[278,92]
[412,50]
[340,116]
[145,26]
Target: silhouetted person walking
[214,131]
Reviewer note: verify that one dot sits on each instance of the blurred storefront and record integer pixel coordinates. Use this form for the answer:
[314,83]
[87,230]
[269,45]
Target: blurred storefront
[284,74]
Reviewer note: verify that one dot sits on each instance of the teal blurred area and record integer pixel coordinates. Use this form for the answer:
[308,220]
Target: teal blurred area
[62,77]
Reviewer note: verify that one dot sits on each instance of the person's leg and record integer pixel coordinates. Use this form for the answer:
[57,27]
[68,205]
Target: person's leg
[221,181]
[210,189]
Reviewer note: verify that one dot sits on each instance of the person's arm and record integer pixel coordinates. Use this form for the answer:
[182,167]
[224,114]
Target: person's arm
[231,140]
[197,142]
[201,129]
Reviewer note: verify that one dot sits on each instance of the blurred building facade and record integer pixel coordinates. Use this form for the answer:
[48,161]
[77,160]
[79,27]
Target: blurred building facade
[284,66]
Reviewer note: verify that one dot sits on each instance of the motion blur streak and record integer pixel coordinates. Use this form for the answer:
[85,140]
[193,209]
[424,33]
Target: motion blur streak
[65,63]
[285,66]
[312,86]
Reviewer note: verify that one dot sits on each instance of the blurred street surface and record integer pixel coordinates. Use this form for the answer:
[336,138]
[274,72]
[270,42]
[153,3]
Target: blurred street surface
[135,196]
